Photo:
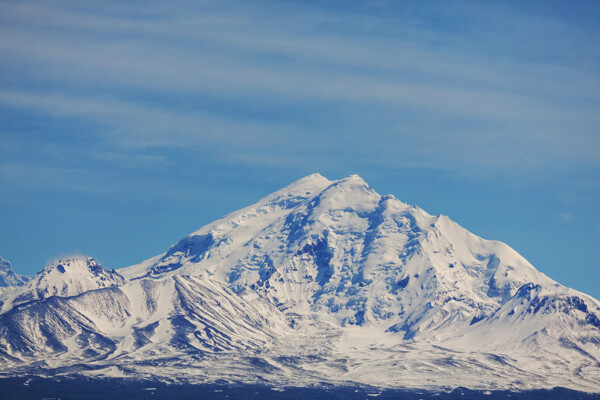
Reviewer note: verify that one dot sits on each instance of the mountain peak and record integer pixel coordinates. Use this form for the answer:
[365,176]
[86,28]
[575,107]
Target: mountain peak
[337,251]
[63,277]
[79,269]
[313,176]
[309,184]
[354,177]
[351,180]
[71,263]
[351,244]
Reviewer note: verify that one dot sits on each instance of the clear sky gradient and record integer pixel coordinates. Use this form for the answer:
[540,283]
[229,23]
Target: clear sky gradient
[125,126]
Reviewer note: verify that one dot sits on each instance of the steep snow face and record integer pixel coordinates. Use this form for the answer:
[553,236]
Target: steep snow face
[64,277]
[142,319]
[341,250]
[8,278]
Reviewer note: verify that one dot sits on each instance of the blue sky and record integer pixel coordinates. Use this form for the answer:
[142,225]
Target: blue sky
[123,127]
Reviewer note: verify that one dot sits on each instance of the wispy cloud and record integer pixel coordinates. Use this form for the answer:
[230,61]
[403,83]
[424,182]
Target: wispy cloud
[271,60]
[275,80]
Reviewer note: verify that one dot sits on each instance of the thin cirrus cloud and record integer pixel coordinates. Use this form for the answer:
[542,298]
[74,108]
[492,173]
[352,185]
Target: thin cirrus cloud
[134,125]
[122,70]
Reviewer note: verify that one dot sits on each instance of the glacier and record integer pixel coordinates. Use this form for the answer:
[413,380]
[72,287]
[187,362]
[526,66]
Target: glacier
[321,282]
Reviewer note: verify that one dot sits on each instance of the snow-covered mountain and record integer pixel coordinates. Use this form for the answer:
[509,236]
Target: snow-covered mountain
[321,281]
[8,279]
[340,250]
[65,277]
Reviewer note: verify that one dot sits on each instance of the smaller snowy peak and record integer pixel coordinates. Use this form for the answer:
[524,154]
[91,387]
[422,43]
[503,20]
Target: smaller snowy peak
[73,275]
[63,277]
[8,278]
[537,318]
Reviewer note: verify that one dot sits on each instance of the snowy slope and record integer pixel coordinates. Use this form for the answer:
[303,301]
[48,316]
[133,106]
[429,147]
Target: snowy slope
[8,279]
